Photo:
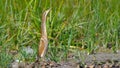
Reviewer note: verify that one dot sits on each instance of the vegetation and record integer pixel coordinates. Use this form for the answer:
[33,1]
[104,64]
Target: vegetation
[77,24]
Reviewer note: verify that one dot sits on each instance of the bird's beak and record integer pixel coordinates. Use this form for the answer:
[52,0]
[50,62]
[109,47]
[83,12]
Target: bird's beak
[47,11]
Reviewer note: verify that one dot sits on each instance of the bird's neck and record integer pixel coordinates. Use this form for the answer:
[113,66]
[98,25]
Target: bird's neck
[43,27]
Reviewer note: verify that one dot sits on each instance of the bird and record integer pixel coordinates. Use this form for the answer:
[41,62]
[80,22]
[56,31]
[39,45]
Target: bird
[43,44]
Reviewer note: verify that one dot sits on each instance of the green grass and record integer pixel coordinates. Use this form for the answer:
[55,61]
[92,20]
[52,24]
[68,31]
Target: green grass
[87,24]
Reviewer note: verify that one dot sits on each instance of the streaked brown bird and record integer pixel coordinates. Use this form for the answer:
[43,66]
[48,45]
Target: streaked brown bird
[43,45]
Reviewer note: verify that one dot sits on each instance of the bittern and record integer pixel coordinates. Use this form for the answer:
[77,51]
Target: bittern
[43,45]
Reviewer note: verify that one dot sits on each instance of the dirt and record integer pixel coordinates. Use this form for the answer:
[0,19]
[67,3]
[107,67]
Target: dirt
[98,60]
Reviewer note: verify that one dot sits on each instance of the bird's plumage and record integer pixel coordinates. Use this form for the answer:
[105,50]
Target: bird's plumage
[43,45]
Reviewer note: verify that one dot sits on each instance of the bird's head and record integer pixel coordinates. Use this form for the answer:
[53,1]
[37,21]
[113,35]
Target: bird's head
[46,12]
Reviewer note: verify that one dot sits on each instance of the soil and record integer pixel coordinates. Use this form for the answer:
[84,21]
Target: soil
[97,60]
